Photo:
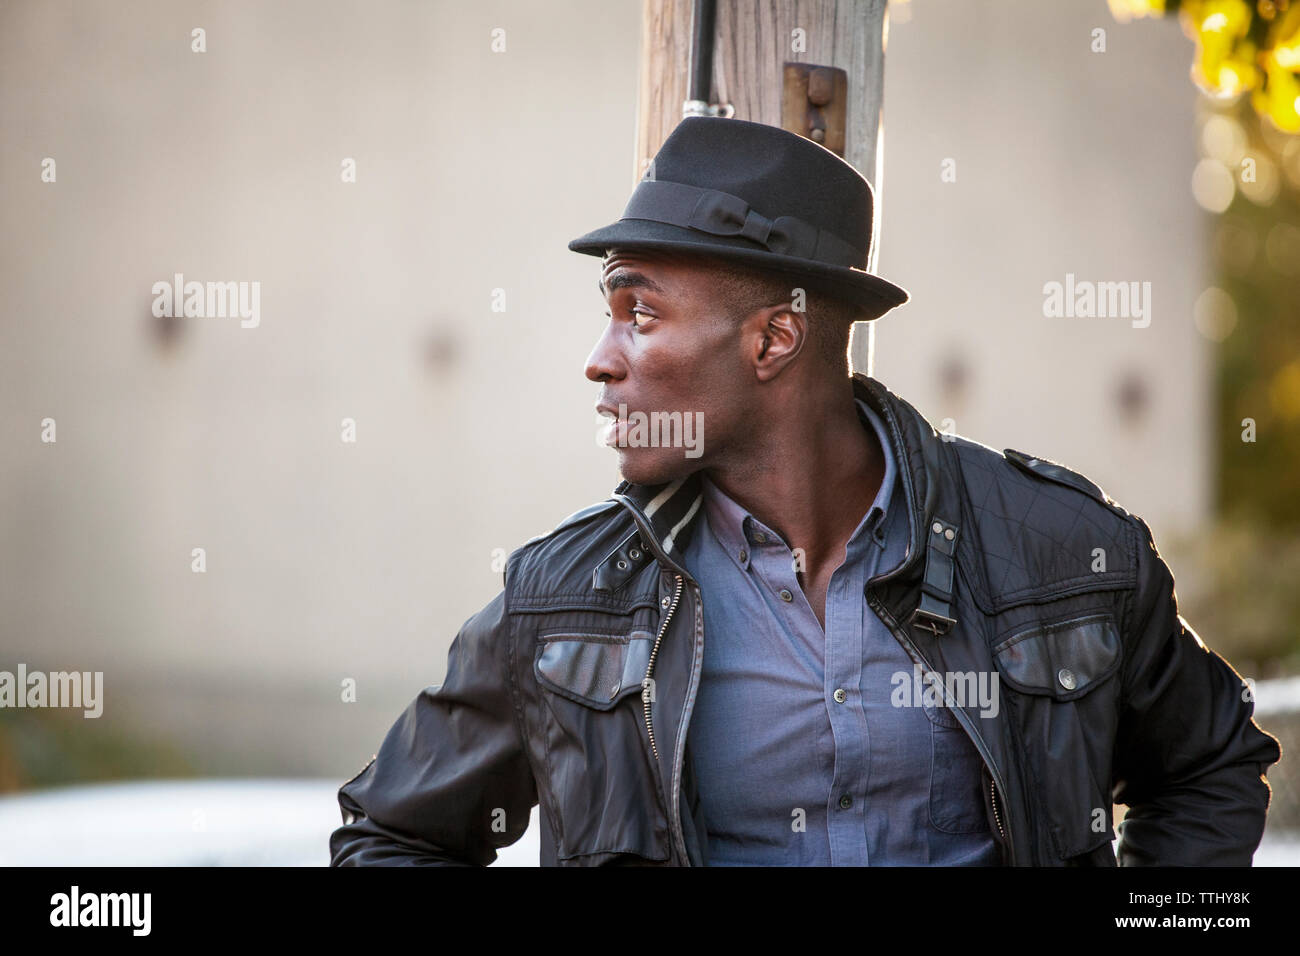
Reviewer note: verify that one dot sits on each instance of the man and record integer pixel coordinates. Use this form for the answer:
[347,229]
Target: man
[806,628]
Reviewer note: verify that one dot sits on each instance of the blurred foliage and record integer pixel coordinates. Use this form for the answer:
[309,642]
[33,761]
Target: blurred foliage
[1252,555]
[1246,602]
[1241,47]
[1256,257]
[48,747]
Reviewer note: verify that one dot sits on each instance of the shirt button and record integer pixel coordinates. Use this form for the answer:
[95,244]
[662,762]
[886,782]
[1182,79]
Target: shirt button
[744,555]
[840,696]
[786,595]
[845,802]
[760,537]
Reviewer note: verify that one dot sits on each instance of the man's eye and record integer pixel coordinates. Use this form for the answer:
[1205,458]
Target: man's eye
[638,316]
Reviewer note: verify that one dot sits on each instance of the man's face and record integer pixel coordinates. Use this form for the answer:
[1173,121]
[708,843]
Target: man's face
[673,359]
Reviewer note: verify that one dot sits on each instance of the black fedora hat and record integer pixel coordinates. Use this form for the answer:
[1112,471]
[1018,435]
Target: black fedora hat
[760,196]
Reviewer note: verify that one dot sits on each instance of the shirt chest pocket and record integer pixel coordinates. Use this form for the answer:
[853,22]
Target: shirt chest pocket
[608,805]
[1062,688]
[956,774]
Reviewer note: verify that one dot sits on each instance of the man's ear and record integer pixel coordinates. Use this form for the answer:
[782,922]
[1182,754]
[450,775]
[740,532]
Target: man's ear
[779,335]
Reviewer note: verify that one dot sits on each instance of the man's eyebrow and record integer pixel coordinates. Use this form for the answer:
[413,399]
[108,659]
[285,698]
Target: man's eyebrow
[628,280]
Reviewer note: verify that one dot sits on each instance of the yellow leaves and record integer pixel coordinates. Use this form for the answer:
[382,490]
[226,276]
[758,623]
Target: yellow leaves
[1242,46]
[1126,10]
[1284,40]
[1225,64]
[1279,99]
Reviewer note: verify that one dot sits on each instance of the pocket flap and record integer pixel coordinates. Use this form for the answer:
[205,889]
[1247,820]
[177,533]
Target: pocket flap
[596,670]
[1064,660]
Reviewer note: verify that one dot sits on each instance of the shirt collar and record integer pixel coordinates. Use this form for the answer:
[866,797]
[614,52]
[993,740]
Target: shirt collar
[739,532]
[880,507]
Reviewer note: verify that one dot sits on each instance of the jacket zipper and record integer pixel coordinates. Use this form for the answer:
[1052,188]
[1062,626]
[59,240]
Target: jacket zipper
[682,575]
[993,792]
[654,653]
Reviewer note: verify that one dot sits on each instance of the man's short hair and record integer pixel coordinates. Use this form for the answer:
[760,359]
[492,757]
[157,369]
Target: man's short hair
[742,290]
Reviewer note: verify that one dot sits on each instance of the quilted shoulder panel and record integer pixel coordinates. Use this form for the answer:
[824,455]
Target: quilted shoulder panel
[1050,470]
[1040,532]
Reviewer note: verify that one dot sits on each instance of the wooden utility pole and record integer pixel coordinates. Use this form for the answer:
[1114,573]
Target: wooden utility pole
[753,40]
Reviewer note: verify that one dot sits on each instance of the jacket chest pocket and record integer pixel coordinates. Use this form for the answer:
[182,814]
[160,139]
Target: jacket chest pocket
[604,786]
[1062,688]
[594,670]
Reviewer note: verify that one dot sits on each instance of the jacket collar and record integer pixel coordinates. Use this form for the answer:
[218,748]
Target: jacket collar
[930,494]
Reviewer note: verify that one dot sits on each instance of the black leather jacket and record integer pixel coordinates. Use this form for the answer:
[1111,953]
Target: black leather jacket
[1106,693]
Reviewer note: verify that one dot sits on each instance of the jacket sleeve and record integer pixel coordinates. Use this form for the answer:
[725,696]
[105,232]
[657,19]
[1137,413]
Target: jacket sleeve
[451,783]
[1189,758]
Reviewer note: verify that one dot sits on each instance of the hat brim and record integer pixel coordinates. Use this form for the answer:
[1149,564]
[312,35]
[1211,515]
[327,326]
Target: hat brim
[874,294]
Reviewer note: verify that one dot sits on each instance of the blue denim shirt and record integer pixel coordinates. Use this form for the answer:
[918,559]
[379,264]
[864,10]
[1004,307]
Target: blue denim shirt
[800,757]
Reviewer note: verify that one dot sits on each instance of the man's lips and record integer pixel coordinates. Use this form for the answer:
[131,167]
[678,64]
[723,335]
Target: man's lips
[614,431]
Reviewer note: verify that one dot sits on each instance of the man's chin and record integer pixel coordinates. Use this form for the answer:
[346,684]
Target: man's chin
[642,469]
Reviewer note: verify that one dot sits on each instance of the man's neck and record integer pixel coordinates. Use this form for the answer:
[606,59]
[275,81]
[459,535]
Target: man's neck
[811,475]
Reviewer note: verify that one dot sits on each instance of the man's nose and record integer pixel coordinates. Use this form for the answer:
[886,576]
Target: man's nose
[605,361]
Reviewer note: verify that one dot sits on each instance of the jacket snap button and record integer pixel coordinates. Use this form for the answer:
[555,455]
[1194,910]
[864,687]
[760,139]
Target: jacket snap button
[786,595]
[622,564]
[936,528]
[614,693]
[665,602]
[634,554]
[840,696]
[1066,677]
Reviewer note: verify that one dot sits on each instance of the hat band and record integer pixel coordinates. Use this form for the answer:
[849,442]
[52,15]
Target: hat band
[722,214]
